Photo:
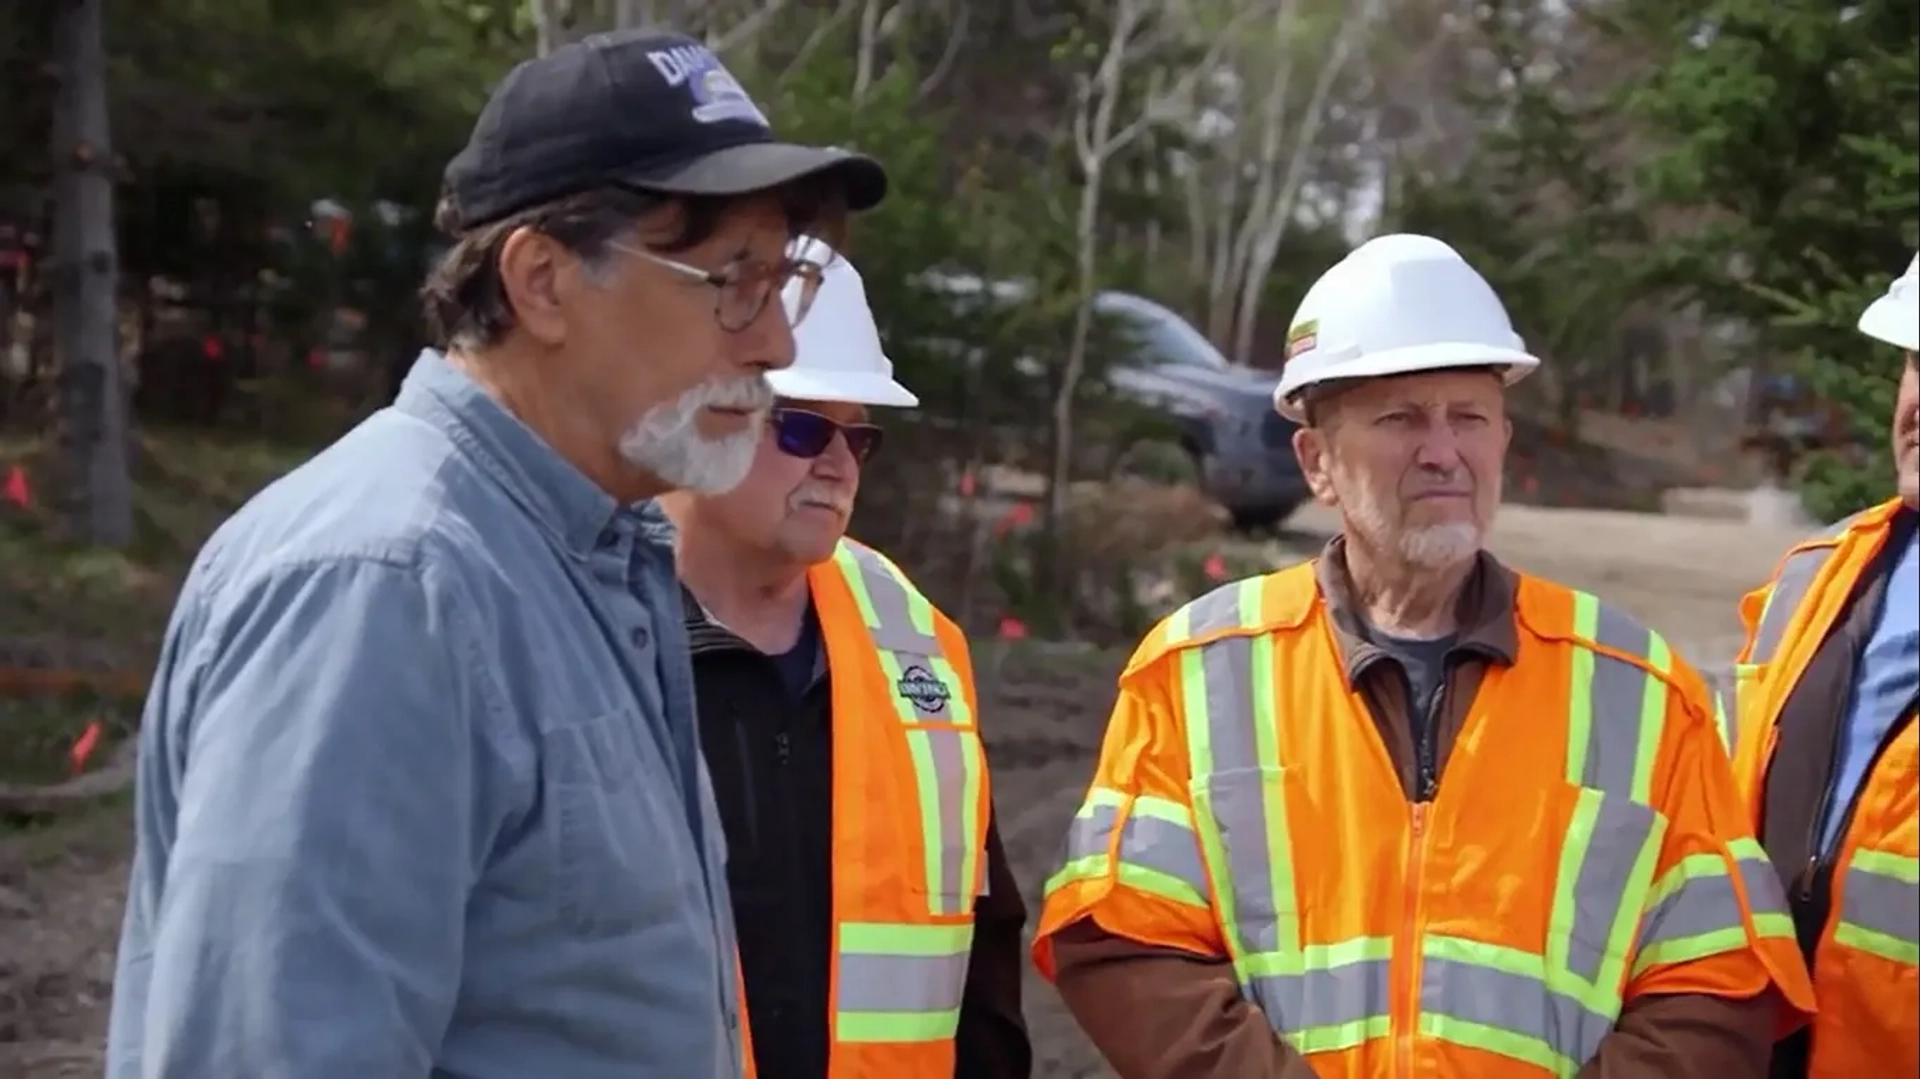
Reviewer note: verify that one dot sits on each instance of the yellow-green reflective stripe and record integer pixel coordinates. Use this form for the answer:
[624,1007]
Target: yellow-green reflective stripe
[1497,999]
[1240,818]
[1766,897]
[1606,865]
[1158,852]
[948,776]
[1722,718]
[1323,998]
[1692,912]
[866,1028]
[1092,867]
[1880,906]
[1243,807]
[1616,719]
[1617,711]
[900,983]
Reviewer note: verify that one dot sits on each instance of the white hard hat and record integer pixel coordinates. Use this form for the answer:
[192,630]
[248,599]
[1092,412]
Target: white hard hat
[1895,317]
[837,352]
[1395,305]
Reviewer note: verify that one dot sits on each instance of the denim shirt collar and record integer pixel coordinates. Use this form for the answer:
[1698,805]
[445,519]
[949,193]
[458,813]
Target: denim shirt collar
[572,508]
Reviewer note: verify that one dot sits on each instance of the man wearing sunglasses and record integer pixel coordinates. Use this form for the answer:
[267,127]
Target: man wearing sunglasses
[880,926]
[420,784]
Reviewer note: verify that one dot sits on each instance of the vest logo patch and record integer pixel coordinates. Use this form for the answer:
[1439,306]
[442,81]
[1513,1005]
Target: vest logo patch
[928,694]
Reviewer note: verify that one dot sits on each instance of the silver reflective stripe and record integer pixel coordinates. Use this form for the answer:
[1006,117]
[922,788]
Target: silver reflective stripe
[1564,1031]
[1092,830]
[1614,874]
[1880,906]
[888,608]
[1165,847]
[1616,722]
[1309,994]
[1233,793]
[1218,610]
[1158,852]
[1695,909]
[930,700]
[1790,587]
[1327,1010]
[898,983]
[1627,706]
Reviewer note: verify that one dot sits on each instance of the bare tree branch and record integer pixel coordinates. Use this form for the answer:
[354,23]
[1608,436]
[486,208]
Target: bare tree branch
[956,38]
[1279,213]
[746,29]
[819,36]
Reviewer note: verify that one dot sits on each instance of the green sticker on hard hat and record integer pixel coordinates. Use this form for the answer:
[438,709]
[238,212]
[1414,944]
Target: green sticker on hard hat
[1303,337]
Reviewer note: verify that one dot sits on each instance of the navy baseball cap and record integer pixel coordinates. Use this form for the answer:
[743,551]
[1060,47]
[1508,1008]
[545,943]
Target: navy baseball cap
[642,109]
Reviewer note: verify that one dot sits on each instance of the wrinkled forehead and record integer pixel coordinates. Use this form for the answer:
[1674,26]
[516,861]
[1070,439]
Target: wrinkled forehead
[1481,387]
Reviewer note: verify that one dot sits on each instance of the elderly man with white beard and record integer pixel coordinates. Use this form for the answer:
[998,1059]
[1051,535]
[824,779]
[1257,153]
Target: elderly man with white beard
[1403,810]
[420,785]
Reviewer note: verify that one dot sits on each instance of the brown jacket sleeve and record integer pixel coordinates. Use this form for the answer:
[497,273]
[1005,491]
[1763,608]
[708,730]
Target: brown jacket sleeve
[1159,1013]
[992,1041]
[1688,1036]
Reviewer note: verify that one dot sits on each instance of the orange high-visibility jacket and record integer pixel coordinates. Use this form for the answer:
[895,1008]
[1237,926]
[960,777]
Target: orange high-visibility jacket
[910,808]
[1866,966]
[1586,845]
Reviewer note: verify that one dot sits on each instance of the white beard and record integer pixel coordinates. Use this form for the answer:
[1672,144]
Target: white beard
[667,441]
[1433,547]
[1440,546]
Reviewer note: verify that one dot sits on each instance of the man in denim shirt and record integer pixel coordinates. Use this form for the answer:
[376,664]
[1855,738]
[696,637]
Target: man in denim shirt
[420,791]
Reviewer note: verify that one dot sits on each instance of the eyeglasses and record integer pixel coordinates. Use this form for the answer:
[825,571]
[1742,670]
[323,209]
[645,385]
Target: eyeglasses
[803,434]
[743,288]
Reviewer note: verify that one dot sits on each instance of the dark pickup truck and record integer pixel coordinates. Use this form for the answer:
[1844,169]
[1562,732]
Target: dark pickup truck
[1223,412]
[1225,433]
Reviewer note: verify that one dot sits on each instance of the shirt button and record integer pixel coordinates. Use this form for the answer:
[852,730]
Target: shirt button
[640,636]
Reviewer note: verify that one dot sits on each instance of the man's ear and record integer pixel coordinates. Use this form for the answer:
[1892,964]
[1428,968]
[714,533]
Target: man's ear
[1310,449]
[529,268]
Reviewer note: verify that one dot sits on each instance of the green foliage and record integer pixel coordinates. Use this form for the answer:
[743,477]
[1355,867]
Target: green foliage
[1540,214]
[1794,136]
[938,217]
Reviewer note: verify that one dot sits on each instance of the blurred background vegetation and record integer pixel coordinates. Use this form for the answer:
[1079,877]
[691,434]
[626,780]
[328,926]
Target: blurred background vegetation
[1685,205]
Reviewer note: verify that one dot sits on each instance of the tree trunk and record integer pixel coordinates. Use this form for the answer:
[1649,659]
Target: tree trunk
[92,407]
[549,25]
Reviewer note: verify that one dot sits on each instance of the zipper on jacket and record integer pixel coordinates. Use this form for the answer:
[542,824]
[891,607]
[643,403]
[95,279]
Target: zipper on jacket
[1406,948]
[1820,861]
[1426,768]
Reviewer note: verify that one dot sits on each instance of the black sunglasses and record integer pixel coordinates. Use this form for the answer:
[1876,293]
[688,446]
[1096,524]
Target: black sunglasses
[799,433]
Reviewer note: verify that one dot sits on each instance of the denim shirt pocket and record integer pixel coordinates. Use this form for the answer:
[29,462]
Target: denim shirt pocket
[618,863]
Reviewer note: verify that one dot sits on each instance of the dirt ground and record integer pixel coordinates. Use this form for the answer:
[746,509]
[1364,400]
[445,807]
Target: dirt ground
[61,888]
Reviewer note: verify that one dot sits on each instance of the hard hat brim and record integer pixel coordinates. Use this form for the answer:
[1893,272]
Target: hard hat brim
[844,387]
[1514,365]
[1895,319]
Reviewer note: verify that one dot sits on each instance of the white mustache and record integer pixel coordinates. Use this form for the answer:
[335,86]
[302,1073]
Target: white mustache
[814,495]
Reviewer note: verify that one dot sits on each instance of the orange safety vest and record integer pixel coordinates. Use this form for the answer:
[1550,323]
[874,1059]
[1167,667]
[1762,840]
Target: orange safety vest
[1866,966]
[910,808]
[1245,807]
